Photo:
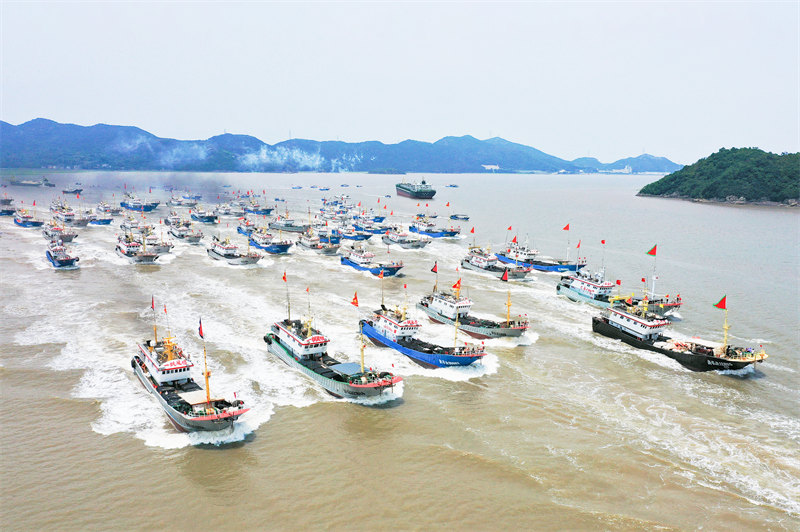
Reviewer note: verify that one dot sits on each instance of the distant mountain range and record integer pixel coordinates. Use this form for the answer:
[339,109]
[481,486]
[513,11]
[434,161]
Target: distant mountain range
[42,143]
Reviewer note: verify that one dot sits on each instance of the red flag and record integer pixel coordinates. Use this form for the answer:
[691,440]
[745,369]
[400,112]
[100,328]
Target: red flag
[457,286]
[509,228]
[629,301]
[653,251]
[435,268]
[165,308]
[565,228]
[391,213]
[602,241]
[152,302]
[200,329]
[472,230]
[405,286]
[359,204]
[384,205]
[426,204]
[354,302]
[448,204]
[34,203]
[379,200]
[307,290]
[284,276]
[644,280]
[723,303]
[619,283]
[579,245]
[514,240]
[417,204]
[151,190]
[505,275]
[380,275]
[77,196]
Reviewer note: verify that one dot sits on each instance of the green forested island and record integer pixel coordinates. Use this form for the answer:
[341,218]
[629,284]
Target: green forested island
[734,175]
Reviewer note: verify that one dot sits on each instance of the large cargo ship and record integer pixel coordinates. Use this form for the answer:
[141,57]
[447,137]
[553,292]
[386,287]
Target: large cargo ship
[415,190]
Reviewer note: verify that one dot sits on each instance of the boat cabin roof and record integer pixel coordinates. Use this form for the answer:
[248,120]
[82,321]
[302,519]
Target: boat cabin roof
[196,397]
[706,343]
[347,368]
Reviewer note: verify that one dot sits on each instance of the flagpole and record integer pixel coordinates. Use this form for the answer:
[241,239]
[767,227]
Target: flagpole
[726,327]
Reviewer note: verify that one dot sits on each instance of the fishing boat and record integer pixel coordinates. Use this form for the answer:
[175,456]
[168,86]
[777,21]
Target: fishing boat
[482,260]
[587,288]
[133,203]
[204,216]
[23,218]
[72,190]
[451,307]
[7,210]
[358,257]
[96,219]
[274,245]
[59,256]
[424,227]
[351,233]
[173,219]
[6,200]
[186,232]
[229,252]
[154,243]
[54,231]
[415,190]
[164,371]
[639,327]
[245,226]
[130,224]
[392,328]
[128,247]
[461,217]
[304,348]
[522,255]
[401,238]
[281,223]
[452,185]
[105,209]
[311,241]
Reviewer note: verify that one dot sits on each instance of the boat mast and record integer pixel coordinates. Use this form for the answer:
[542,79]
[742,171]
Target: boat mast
[361,341]
[206,373]
[508,309]
[725,327]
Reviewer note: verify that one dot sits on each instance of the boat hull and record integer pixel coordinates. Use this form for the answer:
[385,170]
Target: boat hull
[692,361]
[61,263]
[29,223]
[427,194]
[475,327]
[558,266]
[406,244]
[144,207]
[498,272]
[139,258]
[332,386]
[272,249]
[388,271]
[427,360]
[578,297]
[240,260]
[434,234]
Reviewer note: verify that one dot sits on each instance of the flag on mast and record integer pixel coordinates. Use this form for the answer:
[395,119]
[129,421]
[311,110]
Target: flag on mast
[152,302]
[354,302]
[652,252]
[514,240]
[505,275]
[284,276]
[565,228]
[200,329]
[723,303]
[457,286]
[435,268]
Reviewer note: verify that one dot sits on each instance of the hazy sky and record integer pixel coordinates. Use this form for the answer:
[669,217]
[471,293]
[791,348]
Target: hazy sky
[609,80]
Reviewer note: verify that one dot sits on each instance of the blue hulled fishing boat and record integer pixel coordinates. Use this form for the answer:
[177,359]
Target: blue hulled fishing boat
[392,328]
[359,258]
